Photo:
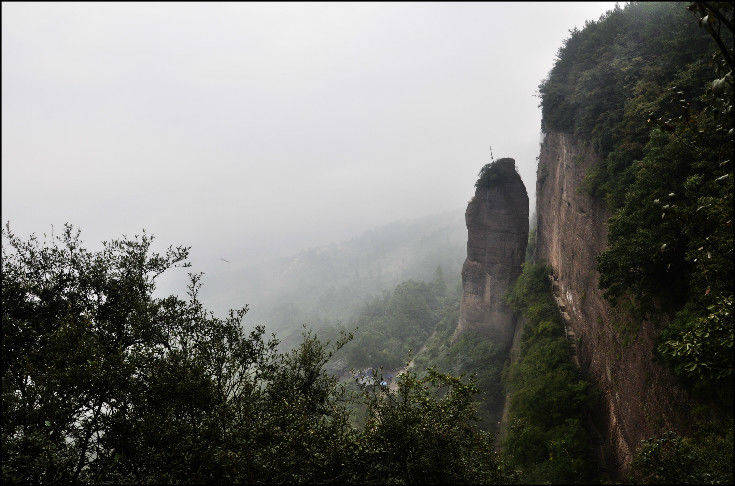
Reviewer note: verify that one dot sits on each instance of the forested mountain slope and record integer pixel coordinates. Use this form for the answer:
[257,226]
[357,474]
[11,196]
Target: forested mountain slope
[327,284]
[621,352]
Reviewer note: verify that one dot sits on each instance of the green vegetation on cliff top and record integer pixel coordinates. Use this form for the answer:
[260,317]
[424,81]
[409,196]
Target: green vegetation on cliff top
[496,172]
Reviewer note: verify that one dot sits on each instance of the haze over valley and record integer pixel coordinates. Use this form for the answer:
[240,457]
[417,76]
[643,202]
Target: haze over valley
[367,243]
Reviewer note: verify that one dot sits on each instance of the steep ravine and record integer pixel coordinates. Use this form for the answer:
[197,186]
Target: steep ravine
[513,355]
[640,398]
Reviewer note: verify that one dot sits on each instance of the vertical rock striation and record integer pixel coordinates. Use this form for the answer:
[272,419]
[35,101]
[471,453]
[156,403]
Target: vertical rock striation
[640,398]
[497,228]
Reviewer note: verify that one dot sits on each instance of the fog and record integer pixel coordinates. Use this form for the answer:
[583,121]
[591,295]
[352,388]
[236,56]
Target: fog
[254,130]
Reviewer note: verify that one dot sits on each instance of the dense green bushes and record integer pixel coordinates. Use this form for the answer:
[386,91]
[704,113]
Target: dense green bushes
[427,432]
[546,440]
[104,383]
[415,322]
[608,76]
[671,247]
[493,174]
[705,457]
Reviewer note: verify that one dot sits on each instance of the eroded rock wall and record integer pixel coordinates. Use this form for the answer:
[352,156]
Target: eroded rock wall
[640,398]
[497,234]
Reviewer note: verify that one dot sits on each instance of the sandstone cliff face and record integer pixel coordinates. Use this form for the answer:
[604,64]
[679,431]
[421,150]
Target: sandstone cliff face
[497,227]
[640,398]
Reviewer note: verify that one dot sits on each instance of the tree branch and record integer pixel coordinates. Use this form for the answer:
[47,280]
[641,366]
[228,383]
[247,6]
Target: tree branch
[719,16]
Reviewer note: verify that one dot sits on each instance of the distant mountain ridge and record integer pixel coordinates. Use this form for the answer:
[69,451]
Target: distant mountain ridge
[328,283]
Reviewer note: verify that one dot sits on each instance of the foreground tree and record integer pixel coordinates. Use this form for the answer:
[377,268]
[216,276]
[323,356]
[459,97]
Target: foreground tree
[103,382]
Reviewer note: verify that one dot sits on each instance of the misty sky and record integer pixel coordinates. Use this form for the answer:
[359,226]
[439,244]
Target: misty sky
[248,130]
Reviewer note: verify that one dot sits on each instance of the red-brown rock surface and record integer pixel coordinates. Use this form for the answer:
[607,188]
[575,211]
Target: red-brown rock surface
[640,398]
[497,228]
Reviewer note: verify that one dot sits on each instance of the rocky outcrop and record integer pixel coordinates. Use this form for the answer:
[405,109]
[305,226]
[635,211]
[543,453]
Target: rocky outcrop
[640,398]
[497,229]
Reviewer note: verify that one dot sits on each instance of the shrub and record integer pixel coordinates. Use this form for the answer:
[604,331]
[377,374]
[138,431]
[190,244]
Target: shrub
[546,439]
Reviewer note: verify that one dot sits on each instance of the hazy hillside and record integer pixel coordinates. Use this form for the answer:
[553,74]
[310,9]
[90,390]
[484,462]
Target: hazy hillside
[275,321]
[330,282]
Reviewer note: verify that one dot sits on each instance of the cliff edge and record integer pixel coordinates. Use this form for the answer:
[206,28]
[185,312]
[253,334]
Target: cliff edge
[640,398]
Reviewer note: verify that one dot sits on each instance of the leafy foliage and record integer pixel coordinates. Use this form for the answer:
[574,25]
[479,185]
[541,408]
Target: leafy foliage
[546,439]
[608,76]
[671,245]
[701,347]
[672,459]
[102,382]
[495,173]
[414,437]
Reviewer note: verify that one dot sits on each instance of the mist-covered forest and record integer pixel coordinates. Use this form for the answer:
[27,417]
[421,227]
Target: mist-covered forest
[427,346]
[326,285]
